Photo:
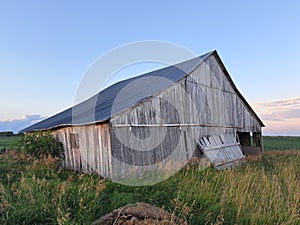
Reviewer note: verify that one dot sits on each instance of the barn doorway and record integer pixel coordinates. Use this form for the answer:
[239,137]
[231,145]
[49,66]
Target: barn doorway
[251,142]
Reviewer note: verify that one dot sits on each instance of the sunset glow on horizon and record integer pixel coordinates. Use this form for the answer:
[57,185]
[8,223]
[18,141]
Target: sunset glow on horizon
[281,116]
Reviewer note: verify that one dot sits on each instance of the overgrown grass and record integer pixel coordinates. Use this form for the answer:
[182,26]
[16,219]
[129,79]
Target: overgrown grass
[38,192]
[281,143]
[264,191]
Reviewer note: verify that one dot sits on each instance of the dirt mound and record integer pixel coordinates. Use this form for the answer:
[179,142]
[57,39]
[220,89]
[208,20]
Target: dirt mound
[139,213]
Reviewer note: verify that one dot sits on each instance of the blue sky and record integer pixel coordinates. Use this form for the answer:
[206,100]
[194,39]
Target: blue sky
[46,47]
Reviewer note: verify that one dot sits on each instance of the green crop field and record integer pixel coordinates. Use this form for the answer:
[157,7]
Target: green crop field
[6,142]
[281,143]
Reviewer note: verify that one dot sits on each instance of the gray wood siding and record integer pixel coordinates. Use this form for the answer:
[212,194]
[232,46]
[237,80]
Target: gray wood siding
[93,153]
[204,103]
[228,109]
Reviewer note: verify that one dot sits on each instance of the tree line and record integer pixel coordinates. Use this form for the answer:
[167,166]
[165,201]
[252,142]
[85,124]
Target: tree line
[10,134]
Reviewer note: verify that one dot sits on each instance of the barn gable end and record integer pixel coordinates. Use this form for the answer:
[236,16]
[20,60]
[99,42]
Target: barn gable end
[204,103]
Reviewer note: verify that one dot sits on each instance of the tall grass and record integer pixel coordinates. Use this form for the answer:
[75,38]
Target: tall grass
[38,192]
[264,191]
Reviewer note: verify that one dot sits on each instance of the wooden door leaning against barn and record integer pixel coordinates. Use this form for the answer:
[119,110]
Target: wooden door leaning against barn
[223,151]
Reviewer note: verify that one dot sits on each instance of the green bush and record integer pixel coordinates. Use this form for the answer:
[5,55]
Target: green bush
[38,144]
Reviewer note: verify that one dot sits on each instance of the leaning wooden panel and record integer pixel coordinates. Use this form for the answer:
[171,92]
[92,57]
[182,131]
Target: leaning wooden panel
[223,151]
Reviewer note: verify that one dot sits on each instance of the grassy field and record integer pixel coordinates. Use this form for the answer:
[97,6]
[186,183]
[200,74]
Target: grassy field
[6,142]
[264,191]
[281,143]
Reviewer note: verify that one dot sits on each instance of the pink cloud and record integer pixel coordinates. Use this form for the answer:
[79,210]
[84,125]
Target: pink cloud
[281,117]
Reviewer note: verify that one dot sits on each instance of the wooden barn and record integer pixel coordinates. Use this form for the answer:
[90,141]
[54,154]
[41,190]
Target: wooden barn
[189,109]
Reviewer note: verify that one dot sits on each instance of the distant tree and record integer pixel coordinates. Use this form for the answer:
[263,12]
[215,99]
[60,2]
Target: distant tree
[6,134]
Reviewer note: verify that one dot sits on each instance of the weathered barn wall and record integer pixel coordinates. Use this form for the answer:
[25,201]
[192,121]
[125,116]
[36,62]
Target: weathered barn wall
[227,108]
[202,104]
[86,148]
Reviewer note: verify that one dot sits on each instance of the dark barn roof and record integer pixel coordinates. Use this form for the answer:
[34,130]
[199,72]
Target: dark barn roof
[102,102]
[101,106]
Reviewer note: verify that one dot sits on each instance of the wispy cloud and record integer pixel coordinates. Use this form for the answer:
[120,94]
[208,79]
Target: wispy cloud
[279,109]
[281,116]
[18,124]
